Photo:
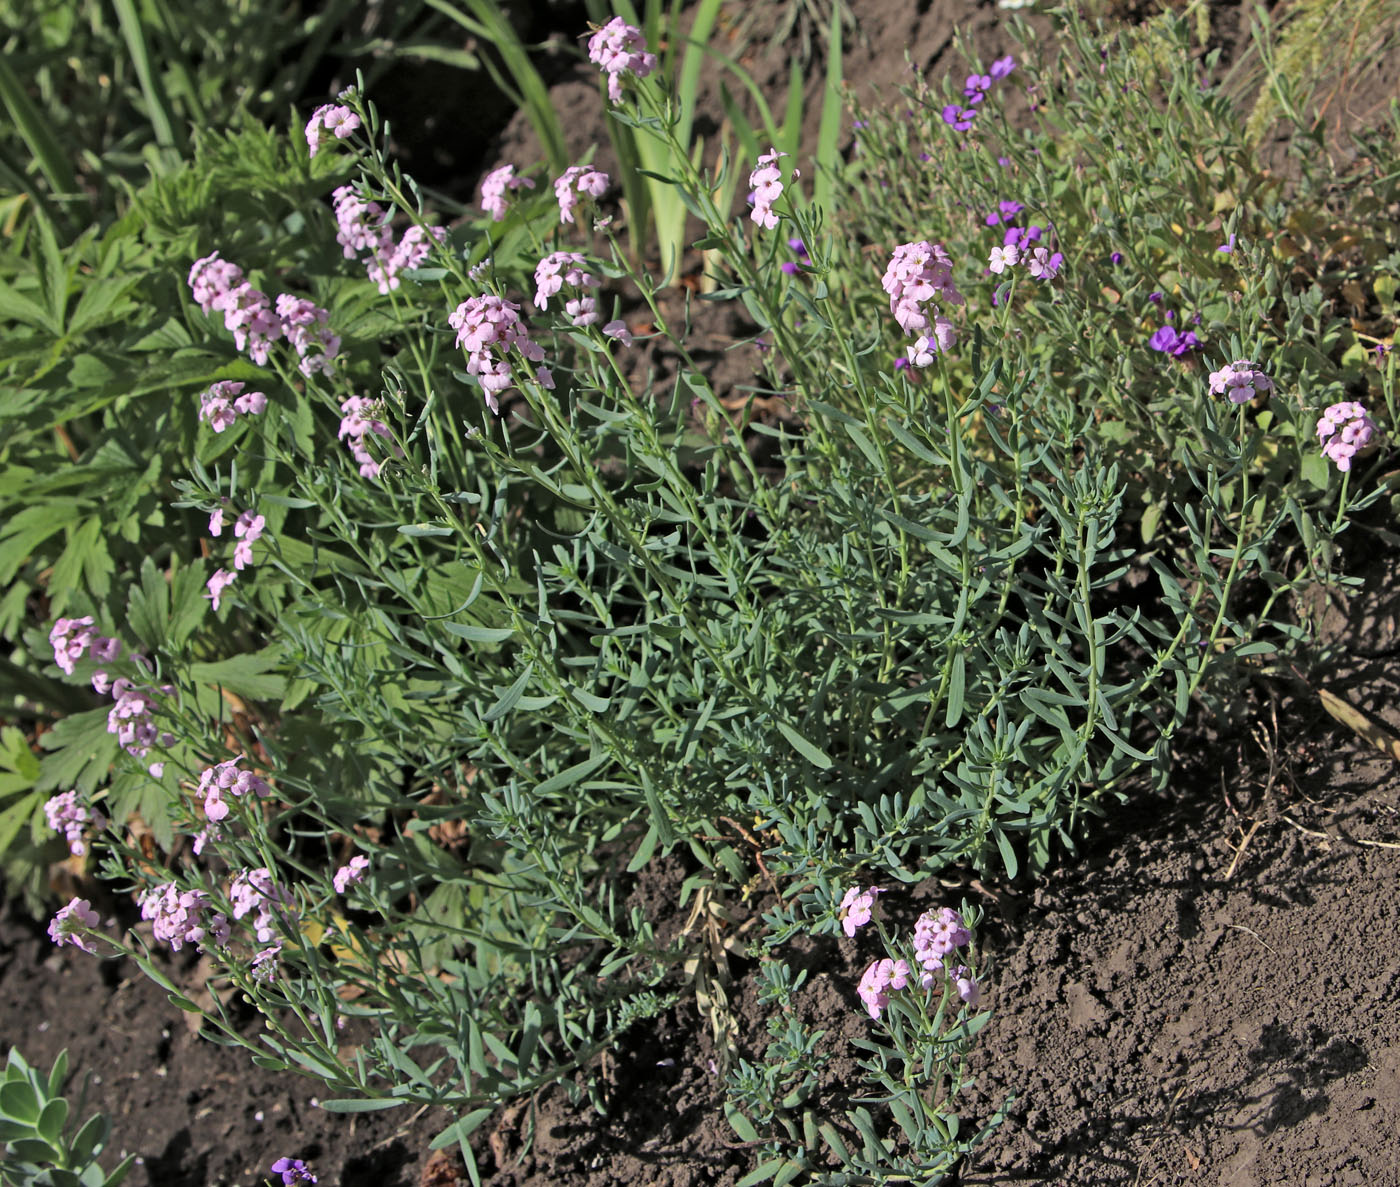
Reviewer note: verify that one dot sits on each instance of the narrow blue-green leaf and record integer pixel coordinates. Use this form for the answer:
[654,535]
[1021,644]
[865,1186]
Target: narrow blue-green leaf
[1008,853]
[570,775]
[817,757]
[377,1105]
[957,687]
[479,634]
[461,1129]
[509,698]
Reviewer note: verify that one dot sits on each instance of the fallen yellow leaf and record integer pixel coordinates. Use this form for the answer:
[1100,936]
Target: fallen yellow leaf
[1352,717]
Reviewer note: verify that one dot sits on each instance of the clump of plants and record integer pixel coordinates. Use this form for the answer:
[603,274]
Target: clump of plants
[467,620]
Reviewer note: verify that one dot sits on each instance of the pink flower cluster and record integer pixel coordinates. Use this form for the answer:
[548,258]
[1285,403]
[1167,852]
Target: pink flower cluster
[359,420]
[411,251]
[918,275]
[496,187]
[264,968]
[132,719]
[1040,261]
[224,402]
[767,187]
[351,874]
[248,315]
[66,815]
[620,49]
[63,927]
[1241,381]
[857,908]
[304,324]
[1343,430]
[561,268]
[179,917]
[247,530]
[216,585]
[937,935]
[255,891]
[363,226]
[228,778]
[881,979]
[488,324]
[578,180]
[71,638]
[255,324]
[327,122]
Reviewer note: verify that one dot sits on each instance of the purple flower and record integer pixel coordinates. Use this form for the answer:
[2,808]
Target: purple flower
[224,402]
[1116,258]
[105,649]
[1021,236]
[228,778]
[1002,67]
[618,330]
[485,325]
[958,118]
[1155,298]
[976,87]
[1043,265]
[1169,341]
[558,269]
[293,1171]
[132,718]
[254,890]
[1228,246]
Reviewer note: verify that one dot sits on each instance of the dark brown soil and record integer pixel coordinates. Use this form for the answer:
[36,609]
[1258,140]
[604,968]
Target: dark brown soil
[1208,994]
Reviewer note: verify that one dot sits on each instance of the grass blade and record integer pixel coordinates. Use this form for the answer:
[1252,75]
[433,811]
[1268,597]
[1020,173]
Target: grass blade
[37,132]
[829,130]
[534,95]
[168,133]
